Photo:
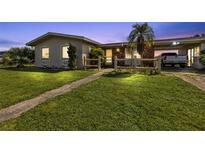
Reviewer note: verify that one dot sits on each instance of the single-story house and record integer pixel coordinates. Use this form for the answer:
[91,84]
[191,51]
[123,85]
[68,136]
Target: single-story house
[51,49]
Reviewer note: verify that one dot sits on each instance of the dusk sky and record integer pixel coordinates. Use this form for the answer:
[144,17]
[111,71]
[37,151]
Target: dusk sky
[17,34]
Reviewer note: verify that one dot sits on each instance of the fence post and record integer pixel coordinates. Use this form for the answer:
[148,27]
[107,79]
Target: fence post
[115,63]
[135,61]
[84,62]
[155,63]
[99,63]
[159,64]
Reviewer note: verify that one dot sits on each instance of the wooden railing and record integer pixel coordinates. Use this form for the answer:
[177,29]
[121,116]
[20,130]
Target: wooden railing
[135,63]
[87,63]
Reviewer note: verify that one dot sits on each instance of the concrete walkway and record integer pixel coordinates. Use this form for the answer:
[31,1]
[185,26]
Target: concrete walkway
[17,109]
[195,79]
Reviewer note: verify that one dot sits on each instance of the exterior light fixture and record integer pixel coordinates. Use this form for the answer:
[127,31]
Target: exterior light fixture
[118,49]
[175,43]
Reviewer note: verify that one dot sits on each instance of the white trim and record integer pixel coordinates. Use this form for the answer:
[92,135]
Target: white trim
[61,54]
[48,53]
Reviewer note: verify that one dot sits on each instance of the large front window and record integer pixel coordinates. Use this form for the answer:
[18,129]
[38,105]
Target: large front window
[128,54]
[65,52]
[45,53]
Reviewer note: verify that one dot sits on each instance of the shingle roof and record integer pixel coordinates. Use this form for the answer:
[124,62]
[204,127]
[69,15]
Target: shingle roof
[50,34]
[157,42]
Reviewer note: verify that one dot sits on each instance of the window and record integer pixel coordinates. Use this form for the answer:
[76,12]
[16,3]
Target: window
[89,49]
[65,52]
[45,53]
[136,54]
[108,55]
[127,53]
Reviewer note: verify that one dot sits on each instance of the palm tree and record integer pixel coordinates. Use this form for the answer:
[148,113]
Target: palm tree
[141,34]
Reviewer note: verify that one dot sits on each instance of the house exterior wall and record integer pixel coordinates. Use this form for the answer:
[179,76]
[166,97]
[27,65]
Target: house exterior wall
[55,45]
[202,46]
[86,49]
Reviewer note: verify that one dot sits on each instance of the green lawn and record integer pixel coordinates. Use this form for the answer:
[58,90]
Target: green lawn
[21,84]
[120,102]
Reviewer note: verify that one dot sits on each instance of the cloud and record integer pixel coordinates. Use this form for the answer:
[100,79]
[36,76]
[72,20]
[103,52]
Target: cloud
[4,42]
[7,44]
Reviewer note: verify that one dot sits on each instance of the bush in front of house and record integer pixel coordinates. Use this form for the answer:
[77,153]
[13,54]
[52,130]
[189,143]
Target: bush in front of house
[94,54]
[19,56]
[202,57]
[72,57]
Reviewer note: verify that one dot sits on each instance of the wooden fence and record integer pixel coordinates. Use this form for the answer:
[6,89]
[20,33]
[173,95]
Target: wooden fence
[88,61]
[135,63]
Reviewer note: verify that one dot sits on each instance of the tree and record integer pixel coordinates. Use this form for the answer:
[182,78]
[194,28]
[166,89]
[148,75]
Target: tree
[141,35]
[72,57]
[19,56]
[197,35]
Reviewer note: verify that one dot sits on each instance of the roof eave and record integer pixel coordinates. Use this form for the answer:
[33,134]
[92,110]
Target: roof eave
[34,42]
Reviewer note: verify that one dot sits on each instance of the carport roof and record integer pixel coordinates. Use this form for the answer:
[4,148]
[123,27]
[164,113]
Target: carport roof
[184,40]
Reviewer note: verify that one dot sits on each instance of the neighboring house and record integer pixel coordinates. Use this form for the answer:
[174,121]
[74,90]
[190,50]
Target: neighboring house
[51,49]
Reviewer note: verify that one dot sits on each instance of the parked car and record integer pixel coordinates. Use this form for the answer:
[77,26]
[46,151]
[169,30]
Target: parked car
[174,59]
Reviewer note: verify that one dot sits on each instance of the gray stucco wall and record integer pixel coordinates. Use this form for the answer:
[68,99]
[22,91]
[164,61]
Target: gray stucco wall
[55,45]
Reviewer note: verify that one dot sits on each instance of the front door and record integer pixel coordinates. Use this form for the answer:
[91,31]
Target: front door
[108,55]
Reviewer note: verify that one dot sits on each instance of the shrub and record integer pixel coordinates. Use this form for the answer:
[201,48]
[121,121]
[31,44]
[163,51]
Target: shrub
[18,56]
[72,57]
[202,57]
[95,53]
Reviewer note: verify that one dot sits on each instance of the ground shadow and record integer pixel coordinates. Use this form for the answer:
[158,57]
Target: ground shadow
[33,69]
[184,70]
[117,74]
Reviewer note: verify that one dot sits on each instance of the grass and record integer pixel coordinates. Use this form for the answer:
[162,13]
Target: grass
[20,84]
[120,102]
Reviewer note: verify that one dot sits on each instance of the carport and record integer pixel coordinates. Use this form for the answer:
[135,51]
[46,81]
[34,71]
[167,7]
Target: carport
[190,46]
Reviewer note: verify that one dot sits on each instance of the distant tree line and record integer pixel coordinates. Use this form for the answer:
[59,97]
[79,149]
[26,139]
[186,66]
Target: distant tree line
[199,35]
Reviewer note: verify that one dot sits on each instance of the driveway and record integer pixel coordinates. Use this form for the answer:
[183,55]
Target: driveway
[191,76]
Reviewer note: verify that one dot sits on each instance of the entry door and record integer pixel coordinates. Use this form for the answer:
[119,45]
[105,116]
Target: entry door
[108,56]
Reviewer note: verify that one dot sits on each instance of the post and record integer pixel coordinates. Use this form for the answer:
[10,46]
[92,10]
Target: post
[155,63]
[159,64]
[99,63]
[84,62]
[135,61]
[115,63]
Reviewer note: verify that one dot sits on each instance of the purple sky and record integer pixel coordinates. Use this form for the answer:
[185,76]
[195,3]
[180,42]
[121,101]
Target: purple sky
[17,34]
